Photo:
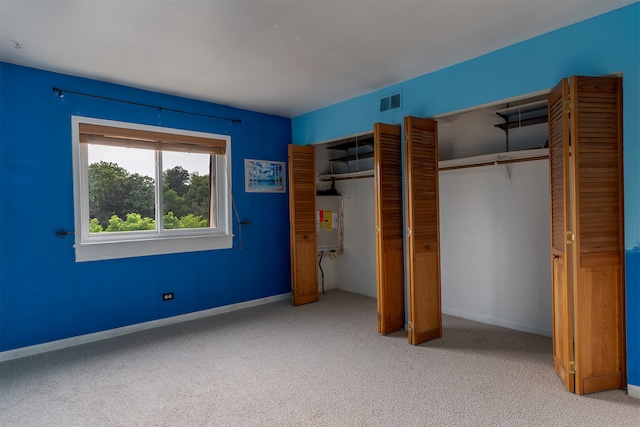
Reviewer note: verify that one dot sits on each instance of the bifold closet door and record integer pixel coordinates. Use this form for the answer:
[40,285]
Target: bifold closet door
[423,230]
[562,293]
[593,237]
[389,227]
[597,202]
[302,217]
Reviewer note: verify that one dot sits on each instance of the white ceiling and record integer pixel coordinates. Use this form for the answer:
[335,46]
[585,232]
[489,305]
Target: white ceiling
[282,57]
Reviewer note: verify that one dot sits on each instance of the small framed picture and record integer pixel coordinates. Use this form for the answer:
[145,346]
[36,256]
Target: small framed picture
[264,176]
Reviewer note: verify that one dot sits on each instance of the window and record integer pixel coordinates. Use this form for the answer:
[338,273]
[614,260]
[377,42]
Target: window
[146,190]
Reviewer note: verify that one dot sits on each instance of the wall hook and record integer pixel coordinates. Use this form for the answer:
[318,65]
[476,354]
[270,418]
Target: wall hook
[62,233]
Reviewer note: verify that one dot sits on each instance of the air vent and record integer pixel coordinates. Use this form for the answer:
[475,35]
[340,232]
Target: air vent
[391,102]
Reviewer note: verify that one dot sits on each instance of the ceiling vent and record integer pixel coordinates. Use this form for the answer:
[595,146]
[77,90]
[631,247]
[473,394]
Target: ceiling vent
[391,102]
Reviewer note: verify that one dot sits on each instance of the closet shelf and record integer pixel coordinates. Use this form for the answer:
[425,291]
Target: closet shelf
[351,154]
[355,156]
[356,142]
[523,108]
[494,159]
[532,113]
[521,123]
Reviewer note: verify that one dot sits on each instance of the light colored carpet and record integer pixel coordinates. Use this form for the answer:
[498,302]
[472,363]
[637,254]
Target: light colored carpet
[322,364]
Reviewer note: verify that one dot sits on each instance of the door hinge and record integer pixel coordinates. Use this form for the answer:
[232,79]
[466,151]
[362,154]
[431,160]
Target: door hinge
[408,232]
[409,327]
[568,106]
[377,230]
[570,237]
[379,317]
[573,368]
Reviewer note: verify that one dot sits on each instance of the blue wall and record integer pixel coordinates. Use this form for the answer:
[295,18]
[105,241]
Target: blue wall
[44,294]
[605,44]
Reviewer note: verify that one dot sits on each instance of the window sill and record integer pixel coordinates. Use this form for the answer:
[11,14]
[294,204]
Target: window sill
[99,251]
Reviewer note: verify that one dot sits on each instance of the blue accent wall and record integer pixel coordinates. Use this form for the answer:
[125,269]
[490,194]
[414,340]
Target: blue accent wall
[44,294]
[606,44]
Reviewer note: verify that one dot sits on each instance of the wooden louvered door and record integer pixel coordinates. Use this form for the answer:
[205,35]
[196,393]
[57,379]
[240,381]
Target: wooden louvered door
[587,233]
[423,235]
[597,216]
[562,285]
[389,227]
[302,215]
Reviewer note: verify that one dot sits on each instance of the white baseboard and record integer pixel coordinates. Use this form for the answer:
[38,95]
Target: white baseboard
[509,324]
[633,391]
[97,336]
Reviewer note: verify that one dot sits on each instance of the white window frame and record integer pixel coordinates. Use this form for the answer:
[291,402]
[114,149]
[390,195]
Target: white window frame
[104,246]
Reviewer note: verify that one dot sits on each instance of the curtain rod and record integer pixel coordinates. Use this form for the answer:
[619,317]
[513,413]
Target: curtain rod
[60,92]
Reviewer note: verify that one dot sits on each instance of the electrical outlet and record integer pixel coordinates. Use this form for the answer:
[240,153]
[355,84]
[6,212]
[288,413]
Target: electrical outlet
[167,297]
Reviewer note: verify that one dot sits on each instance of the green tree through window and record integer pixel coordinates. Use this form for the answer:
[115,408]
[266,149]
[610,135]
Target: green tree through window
[122,201]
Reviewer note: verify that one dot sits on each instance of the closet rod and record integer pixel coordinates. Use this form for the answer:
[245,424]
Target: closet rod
[495,162]
[337,178]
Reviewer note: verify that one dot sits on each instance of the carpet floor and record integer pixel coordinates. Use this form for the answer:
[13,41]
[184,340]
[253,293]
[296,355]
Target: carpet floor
[321,364]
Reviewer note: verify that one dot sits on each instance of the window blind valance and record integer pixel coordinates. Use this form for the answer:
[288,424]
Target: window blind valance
[150,140]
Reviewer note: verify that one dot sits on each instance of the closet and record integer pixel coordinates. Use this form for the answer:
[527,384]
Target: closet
[494,206]
[579,176]
[345,170]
